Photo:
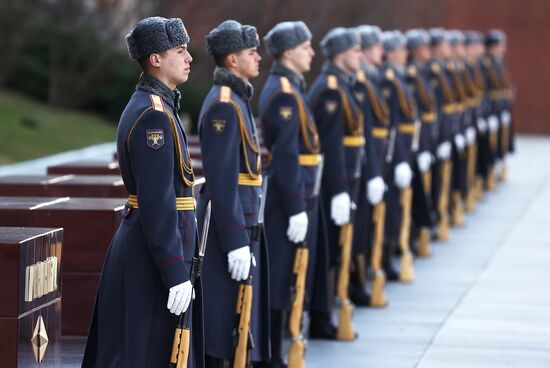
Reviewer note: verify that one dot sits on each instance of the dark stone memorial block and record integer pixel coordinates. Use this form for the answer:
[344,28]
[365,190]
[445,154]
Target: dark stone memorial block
[62,185]
[89,225]
[30,295]
[85,167]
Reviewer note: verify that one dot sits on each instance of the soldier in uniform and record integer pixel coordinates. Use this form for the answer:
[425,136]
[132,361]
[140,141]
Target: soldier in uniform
[232,166]
[418,45]
[445,99]
[291,136]
[454,68]
[500,96]
[474,52]
[403,126]
[373,187]
[340,125]
[145,279]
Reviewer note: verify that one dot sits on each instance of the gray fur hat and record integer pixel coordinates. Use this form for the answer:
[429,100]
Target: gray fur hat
[416,38]
[370,35]
[438,36]
[473,37]
[231,36]
[338,40]
[456,37]
[393,40]
[495,36]
[285,36]
[155,34]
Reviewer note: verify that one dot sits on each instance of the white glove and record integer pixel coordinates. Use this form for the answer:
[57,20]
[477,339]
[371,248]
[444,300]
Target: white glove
[340,206]
[444,151]
[481,125]
[297,227]
[470,135]
[180,297]
[403,175]
[424,160]
[492,121]
[460,142]
[506,118]
[375,190]
[238,262]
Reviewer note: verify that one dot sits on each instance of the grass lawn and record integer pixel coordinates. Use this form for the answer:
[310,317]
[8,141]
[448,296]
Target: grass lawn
[31,129]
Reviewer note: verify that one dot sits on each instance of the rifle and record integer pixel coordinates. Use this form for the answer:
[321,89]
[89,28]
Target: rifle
[180,346]
[378,294]
[346,331]
[244,341]
[443,201]
[471,198]
[406,269]
[298,346]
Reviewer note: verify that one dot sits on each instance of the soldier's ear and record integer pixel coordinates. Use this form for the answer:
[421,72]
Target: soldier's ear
[231,61]
[154,60]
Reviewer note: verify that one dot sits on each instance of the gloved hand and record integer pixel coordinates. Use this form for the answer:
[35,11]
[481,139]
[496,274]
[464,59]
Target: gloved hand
[470,135]
[403,175]
[444,151]
[297,227]
[179,297]
[460,142]
[506,118]
[492,121]
[481,125]
[375,190]
[424,160]
[340,206]
[238,262]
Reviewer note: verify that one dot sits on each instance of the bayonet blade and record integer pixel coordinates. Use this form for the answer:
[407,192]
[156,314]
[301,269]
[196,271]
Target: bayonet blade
[205,227]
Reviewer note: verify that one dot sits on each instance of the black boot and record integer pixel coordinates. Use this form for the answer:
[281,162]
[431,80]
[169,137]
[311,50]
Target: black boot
[392,274]
[277,332]
[357,292]
[321,326]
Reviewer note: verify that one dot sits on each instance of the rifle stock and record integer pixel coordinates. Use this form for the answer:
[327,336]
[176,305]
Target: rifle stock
[180,348]
[297,348]
[424,246]
[472,195]
[345,331]
[443,201]
[244,310]
[458,209]
[378,293]
[406,269]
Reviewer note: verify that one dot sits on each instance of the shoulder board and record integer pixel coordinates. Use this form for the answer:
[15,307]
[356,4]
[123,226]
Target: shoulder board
[225,94]
[411,70]
[361,76]
[285,85]
[156,101]
[435,67]
[389,74]
[332,82]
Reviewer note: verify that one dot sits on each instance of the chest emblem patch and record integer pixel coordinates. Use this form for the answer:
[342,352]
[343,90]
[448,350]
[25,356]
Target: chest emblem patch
[331,106]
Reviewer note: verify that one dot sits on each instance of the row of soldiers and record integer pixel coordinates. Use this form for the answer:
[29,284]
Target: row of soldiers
[394,137]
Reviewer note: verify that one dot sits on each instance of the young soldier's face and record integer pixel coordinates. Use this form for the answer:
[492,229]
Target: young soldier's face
[301,56]
[374,53]
[423,53]
[352,58]
[175,64]
[398,56]
[247,63]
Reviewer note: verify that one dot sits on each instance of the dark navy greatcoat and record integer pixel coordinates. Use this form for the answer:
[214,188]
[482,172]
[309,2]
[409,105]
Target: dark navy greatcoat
[153,245]
[231,161]
[376,120]
[290,134]
[402,121]
[424,96]
[445,102]
[339,120]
